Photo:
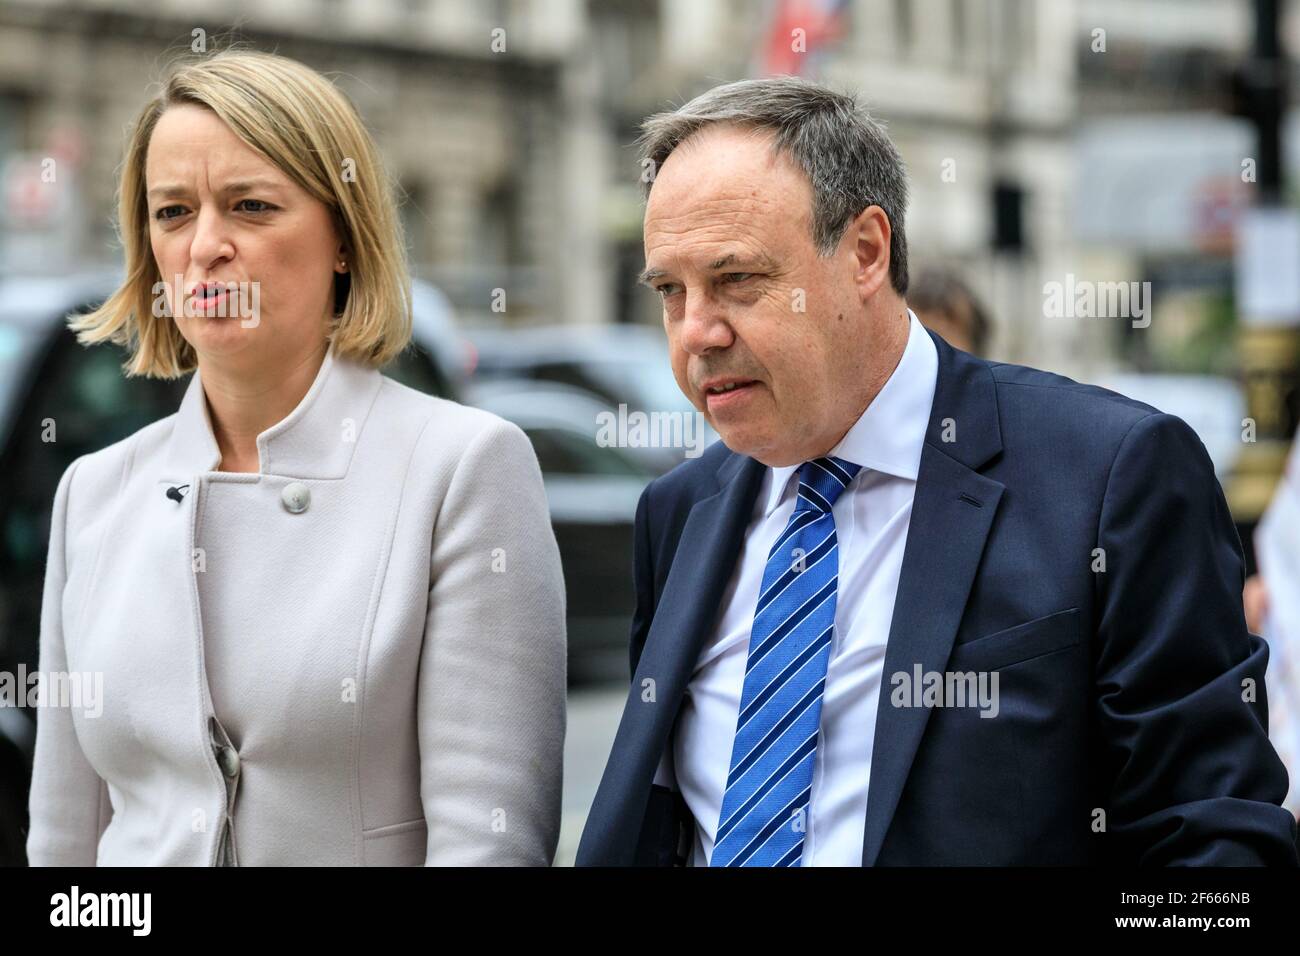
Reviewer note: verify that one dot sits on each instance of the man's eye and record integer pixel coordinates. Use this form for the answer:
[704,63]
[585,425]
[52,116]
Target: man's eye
[667,289]
[165,209]
[737,276]
[265,206]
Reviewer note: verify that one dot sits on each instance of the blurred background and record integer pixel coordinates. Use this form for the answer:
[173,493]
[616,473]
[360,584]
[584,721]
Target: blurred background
[1050,144]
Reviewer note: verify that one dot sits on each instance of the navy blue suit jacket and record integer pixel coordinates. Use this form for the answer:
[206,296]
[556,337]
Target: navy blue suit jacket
[1123,735]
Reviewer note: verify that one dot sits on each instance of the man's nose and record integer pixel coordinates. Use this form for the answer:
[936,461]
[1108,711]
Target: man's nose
[704,325]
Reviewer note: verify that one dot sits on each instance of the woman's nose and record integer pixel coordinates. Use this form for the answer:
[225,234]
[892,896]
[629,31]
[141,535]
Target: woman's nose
[211,241]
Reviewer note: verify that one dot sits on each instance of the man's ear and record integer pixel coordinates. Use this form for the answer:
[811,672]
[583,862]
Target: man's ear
[869,234]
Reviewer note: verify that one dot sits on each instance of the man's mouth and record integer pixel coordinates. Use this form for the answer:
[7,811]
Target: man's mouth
[726,396]
[729,385]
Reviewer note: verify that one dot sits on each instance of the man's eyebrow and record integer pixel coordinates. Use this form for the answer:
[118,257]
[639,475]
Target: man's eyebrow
[238,188]
[647,277]
[759,260]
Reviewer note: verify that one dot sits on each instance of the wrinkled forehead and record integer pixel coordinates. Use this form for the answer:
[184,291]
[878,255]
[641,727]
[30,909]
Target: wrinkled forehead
[189,140]
[727,181]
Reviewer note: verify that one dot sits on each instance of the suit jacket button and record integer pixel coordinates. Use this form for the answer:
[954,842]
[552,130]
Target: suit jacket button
[296,496]
[228,761]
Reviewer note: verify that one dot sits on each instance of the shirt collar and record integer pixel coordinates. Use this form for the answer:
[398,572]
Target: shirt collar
[315,440]
[889,435]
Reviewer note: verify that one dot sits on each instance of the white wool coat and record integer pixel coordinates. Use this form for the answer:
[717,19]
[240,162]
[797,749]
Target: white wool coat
[355,656]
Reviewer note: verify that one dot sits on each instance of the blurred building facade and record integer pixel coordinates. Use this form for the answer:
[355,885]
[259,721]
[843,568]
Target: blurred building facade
[482,111]
[1045,139]
[979,95]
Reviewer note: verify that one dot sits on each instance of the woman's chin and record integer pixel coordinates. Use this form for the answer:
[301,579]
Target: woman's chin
[219,338]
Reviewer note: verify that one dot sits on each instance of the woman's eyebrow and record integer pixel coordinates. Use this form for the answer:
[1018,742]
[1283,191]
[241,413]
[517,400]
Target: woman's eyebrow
[170,190]
[166,192]
[250,185]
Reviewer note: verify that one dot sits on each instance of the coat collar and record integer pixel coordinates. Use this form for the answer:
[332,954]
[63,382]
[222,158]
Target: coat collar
[315,440]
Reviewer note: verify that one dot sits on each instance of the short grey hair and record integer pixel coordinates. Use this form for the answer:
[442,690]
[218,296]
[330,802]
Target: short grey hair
[848,158]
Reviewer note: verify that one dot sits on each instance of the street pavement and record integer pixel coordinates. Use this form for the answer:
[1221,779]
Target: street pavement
[594,712]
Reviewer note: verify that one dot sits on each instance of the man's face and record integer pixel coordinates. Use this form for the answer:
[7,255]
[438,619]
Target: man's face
[747,300]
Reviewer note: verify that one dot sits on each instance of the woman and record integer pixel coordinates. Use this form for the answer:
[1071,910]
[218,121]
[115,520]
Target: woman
[327,609]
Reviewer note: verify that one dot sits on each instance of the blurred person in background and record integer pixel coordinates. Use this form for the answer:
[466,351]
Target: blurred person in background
[1272,599]
[895,540]
[945,304]
[327,609]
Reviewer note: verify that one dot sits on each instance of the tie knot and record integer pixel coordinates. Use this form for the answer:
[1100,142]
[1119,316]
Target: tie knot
[821,481]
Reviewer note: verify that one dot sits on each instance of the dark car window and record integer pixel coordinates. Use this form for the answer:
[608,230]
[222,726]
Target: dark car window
[416,368]
[79,397]
[562,452]
[572,373]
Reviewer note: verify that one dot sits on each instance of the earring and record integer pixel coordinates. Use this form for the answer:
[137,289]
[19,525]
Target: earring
[343,265]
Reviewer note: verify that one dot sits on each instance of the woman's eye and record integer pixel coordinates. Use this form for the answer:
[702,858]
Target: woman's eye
[265,206]
[161,213]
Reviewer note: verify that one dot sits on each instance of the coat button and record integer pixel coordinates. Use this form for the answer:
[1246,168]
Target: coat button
[228,761]
[296,496]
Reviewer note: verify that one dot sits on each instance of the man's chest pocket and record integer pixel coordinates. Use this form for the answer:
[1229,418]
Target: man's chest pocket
[1016,645]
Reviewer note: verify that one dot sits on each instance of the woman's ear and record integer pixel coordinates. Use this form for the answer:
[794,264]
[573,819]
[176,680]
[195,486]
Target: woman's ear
[342,255]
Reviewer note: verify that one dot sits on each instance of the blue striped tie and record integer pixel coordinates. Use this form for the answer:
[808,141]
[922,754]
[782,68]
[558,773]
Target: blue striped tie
[769,785]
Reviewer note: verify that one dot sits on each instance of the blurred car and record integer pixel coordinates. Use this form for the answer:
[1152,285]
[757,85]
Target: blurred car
[592,491]
[621,364]
[60,400]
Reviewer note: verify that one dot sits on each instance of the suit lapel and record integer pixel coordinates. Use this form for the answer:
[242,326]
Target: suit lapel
[688,608]
[952,513]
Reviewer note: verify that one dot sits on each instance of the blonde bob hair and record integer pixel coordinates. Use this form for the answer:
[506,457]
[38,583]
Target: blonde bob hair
[306,127]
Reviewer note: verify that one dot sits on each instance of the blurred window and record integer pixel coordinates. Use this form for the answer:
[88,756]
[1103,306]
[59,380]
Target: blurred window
[564,452]
[903,26]
[417,369]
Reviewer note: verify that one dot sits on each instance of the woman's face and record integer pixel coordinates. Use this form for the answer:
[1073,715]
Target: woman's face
[221,213]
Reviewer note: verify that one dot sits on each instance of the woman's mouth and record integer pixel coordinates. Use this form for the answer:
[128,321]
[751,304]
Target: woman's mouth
[207,300]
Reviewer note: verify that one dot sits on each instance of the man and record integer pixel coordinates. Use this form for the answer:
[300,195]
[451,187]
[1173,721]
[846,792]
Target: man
[915,608]
[946,305]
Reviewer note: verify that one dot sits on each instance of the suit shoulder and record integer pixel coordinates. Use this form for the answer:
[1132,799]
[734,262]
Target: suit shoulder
[1048,397]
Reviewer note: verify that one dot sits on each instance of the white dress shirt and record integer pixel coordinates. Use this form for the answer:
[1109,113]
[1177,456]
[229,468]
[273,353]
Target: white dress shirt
[871,520]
